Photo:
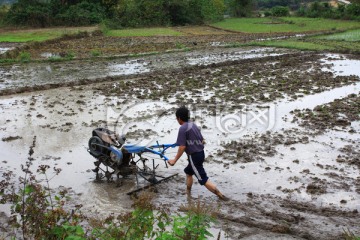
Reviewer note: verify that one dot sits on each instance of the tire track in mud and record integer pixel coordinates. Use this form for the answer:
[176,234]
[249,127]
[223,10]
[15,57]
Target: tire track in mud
[285,216]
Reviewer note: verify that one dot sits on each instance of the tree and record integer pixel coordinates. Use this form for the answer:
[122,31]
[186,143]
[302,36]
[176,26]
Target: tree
[240,8]
[29,12]
[352,11]
[136,13]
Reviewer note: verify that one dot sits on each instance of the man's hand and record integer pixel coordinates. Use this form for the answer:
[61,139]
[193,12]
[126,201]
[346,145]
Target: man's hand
[172,162]
[180,152]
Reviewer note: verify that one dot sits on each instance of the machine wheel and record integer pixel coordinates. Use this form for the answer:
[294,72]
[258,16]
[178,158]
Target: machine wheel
[99,176]
[94,147]
[108,175]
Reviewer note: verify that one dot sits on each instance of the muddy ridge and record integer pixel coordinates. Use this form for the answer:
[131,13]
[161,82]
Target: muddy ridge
[82,44]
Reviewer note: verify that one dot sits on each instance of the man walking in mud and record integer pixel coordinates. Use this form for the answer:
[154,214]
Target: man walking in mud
[191,141]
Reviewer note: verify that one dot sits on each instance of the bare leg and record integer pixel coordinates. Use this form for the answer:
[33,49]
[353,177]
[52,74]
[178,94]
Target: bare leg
[189,183]
[212,188]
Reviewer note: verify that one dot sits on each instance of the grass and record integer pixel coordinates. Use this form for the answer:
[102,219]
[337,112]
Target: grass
[286,24]
[38,35]
[348,41]
[351,36]
[143,32]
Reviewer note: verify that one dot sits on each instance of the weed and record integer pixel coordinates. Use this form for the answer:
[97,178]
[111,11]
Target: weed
[7,60]
[104,28]
[95,53]
[179,45]
[38,213]
[69,55]
[25,56]
[348,235]
[194,224]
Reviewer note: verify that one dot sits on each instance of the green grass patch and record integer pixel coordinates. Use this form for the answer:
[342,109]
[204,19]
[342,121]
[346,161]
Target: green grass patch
[285,24]
[38,35]
[292,45]
[26,37]
[7,61]
[143,32]
[350,36]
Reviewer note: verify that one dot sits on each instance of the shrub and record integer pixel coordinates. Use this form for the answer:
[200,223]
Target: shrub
[3,11]
[138,13]
[267,13]
[125,13]
[280,11]
[324,10]
[352,11]
[29,13]
[83,13]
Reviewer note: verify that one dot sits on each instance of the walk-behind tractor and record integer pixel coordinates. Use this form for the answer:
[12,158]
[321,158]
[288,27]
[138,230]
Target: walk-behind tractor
[113,157]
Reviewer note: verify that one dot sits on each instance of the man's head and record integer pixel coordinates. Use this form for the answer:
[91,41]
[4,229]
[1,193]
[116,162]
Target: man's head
[182,114]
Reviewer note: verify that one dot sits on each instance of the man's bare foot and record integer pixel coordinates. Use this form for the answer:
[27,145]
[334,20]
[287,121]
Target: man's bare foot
[220,195]
[188,193]
[224,198]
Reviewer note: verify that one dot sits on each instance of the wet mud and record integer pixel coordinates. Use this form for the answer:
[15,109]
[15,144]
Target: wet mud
[338,114]
[292,176]
[83,44]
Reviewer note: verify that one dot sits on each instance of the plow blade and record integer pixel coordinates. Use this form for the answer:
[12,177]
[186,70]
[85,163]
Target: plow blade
[152,184]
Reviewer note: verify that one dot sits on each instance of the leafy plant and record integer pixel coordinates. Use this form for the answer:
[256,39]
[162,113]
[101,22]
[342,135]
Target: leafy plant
[179,45]
[348,235]
[69,55]
[36,212]
[194,224]
[24,56]
[39,213]
[95,52]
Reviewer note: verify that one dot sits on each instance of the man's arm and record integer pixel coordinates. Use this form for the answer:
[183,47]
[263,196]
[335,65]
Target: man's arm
[180,152]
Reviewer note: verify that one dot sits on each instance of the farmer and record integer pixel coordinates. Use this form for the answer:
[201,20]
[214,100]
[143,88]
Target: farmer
[191,141]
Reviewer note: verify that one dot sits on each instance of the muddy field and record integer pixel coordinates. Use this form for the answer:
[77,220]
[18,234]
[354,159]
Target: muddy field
[282,128]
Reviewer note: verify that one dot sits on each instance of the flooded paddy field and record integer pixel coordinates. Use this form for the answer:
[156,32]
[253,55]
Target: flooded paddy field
[282,130]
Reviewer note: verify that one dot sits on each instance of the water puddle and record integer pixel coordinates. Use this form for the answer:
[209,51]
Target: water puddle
[49,55]
[20,75]
[128,68]
[5,49]
[283,37]
[243,54]
[342,66]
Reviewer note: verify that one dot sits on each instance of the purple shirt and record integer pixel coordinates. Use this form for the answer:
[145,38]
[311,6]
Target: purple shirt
[190,136]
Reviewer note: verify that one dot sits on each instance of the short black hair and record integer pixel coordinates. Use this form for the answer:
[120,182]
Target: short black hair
[183,113]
